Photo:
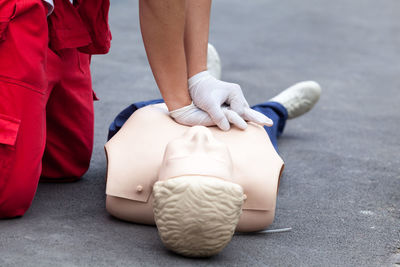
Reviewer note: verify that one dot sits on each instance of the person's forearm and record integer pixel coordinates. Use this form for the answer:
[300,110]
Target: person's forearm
[196,35]
[162,24]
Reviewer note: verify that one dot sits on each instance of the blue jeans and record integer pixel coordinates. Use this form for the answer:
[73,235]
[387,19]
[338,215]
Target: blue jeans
[273,110]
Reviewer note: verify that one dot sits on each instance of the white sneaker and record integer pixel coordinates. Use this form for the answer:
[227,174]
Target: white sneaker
[213,62]
[299,98]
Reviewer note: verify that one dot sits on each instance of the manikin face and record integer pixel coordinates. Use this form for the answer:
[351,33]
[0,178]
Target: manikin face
[197,152]
[192,198]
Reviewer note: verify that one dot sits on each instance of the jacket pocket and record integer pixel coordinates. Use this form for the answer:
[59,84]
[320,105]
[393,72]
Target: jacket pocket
[9,127]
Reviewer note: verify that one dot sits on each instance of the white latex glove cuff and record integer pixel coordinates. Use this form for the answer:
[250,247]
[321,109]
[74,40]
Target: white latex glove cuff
[198,78]
[191,115]
[181,111]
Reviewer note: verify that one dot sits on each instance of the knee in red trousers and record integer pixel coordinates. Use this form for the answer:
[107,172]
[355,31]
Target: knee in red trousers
[22,140]
[23,42]
[26,86]
[69,116]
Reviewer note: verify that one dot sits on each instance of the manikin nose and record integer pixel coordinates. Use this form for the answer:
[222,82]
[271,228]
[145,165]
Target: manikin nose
[199,135]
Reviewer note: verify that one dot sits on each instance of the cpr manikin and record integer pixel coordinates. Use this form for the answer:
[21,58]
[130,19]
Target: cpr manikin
[215,179]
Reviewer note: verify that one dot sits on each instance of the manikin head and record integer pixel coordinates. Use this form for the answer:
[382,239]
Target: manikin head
[196,208]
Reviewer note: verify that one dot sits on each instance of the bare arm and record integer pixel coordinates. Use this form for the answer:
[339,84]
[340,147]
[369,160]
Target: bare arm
[162,24]
[196,35]
[175,35]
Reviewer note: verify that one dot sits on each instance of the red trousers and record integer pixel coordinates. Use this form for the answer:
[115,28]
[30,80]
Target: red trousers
[46,107]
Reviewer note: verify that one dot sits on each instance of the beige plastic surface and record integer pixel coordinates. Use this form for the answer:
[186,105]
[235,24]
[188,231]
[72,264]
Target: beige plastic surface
[136,152]
[196,152]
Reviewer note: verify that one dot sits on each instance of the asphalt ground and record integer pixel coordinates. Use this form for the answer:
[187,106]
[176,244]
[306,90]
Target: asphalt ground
[340,191]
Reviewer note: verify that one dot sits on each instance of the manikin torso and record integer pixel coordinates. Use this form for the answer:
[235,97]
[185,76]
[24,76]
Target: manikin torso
[136,153]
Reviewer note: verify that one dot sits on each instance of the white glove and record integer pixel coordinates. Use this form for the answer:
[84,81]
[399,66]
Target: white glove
[209,94]
[191,115]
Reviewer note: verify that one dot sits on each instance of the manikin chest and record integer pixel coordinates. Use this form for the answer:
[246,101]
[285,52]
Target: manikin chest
[135,154]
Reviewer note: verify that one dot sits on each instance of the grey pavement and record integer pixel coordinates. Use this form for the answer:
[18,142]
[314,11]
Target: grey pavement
[340,191]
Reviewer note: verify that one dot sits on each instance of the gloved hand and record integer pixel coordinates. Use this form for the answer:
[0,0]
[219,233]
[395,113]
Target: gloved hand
[209,94]
[191,115]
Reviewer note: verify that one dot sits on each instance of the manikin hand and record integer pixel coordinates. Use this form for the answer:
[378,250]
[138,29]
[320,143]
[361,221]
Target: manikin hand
[191,115]
[209,94]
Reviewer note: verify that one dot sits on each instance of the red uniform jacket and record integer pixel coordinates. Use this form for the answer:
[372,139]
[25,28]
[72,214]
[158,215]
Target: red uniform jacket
[83,25]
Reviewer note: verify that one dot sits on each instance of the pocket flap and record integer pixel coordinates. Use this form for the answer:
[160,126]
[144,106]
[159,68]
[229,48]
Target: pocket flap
[95,98]
[8,129]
